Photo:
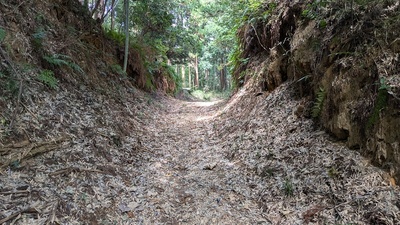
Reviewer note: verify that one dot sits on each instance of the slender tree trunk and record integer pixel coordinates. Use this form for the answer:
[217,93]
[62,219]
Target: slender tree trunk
[196,70]
[126,34]
[215,76]
[190,77]
[183,75]
[112,14]
[206,75]
[101,12]
[104,11]
[222,76]
[95,11]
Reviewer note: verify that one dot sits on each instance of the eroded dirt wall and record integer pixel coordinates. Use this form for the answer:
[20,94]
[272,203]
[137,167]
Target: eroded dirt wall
[343,59]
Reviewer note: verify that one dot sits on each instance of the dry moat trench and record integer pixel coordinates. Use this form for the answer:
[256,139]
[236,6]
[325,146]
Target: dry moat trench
[157,160]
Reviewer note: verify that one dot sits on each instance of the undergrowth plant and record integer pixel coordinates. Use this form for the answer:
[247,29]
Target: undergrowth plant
[288,188]
[119,37]
[9,84]
[313,12]
[62,60]
[47,78]
[115,68]
[380,104]
[38,38]
[319,102]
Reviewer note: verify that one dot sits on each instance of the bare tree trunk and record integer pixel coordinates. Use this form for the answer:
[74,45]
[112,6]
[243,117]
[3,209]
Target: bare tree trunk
[206,75]
[126,34]
[183,75]
[222,75]
[196,69]
[112,14]
[95,11]
[190,77]
[104,11]
[111,11]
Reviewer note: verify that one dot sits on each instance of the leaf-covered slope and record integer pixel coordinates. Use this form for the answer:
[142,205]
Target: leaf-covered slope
[343,57]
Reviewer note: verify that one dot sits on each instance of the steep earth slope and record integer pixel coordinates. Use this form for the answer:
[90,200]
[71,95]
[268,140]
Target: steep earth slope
[343,59]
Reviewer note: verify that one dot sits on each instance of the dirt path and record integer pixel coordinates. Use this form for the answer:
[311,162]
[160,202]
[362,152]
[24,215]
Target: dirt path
[147,160]
[192,181]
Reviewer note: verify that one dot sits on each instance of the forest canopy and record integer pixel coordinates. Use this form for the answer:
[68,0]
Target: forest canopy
[196,39]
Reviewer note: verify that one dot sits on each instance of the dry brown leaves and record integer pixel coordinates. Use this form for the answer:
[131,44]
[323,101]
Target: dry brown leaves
[142,159]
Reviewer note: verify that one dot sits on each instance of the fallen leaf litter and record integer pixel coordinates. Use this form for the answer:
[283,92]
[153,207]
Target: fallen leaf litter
[158,160]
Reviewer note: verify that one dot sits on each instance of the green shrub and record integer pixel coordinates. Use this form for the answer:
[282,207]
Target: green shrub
[63,60]
[116,36]
[12,86]
[38,38]
[380,103]
[319,102]
[149,82]
[47,78]
[288,188]
[118,70]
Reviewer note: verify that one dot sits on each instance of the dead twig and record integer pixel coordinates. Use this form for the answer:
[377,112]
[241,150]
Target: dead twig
[14,215]
[14,192]
[27,151]
[29,111]
[15,9]
[258,38]
[75,170]
[53,218]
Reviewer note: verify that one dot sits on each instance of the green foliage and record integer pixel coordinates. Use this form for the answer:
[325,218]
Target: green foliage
[8,83]
[383,86]
[63,60]
[40,18]
[2,34]
[380,103]
[12,86]
[115,35]
[313,9]
[333,172]
[38,38]
[288,188]
[115,68]
[175,77]
[255,11]
[47,78]
[149,82]
[322,24]
[319,102]
[210,95]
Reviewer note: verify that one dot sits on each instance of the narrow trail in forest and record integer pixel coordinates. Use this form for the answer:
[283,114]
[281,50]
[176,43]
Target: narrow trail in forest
[157,160]
[190,181]
[252,160]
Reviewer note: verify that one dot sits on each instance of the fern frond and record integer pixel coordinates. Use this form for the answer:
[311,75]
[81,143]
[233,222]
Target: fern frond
[47,78]
[319,102]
